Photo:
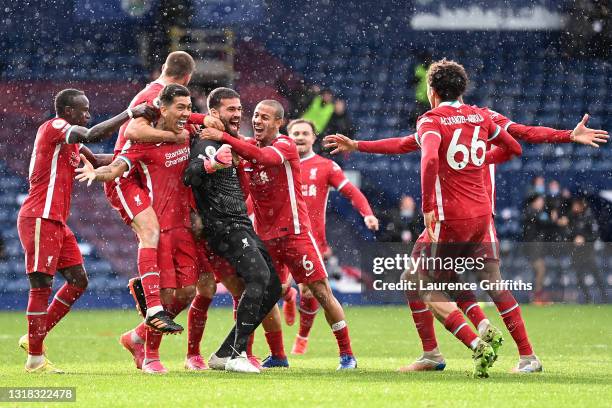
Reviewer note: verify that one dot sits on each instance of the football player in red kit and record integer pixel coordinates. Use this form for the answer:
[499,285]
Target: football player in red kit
[319,176]
[272,164]
[432,359]
[47,241]
[160,167]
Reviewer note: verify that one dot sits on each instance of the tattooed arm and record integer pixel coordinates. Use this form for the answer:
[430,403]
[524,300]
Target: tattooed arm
[104,173]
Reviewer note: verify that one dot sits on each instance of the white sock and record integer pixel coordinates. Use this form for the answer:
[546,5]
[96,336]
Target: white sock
[35,361]
[338,326]
[474,343]
[482,326]
[155,309]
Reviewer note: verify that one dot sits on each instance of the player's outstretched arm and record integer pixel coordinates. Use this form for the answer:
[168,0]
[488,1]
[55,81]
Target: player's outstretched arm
[506,148]
[392,145]
[103,174]
[540,134]
[266,156]
[79,134]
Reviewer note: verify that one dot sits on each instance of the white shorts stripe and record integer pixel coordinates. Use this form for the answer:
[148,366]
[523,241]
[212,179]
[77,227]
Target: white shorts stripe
[492,176]
[37,243]
[149,274]
[509,310]
[459,328]
[492,238]
[123,202]
[318,253]
[145,169]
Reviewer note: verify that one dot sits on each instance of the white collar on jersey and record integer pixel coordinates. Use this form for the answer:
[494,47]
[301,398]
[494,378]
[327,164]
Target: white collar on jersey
[308,156]
[454,104]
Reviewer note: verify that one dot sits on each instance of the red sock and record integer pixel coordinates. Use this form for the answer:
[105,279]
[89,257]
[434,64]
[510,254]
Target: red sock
[291,291]
[249,349]
[341,332]
[36,314]
[456,324]
[60,306]
[149,275]
[308,311]
[467,302]
[424,323]
[510,311]
[275,342]
[154,339]
[196,321]
[141,331]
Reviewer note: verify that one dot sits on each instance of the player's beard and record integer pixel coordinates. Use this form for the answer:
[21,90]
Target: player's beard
[228,127]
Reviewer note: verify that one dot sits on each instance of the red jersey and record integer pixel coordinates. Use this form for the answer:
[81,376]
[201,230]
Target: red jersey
[464,132]
[319,175]
[148,95]
[276,191]
[51,172]
[160,169]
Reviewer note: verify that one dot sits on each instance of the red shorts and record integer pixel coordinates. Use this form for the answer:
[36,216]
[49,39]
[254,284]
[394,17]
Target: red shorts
[473,238]
[177,258]
[300,255]
[209,262]
[48,245]
[128,198]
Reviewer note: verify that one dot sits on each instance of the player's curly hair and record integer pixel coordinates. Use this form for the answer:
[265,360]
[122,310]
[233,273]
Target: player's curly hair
[448,78]
[298,121]
[169,92]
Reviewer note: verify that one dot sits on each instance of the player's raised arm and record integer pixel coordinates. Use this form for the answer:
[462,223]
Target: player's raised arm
[266,156]
[392,145]
[208,121]
[96,160]
[103,174]
[80,134]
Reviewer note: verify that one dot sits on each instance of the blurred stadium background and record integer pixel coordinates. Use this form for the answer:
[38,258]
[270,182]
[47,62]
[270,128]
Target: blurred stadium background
[538,62]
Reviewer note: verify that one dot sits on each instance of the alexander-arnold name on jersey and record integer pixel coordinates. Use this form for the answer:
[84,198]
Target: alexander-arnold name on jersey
[459,119]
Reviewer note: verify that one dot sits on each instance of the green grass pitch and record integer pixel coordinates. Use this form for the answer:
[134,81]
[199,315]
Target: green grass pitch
[574,343]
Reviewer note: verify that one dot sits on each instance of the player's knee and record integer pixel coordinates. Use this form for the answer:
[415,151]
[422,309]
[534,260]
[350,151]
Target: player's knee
[76,276]
[321,291]
[166,296]
[147,228]
[40,280]
[305,292]
[206,286]
[185,295]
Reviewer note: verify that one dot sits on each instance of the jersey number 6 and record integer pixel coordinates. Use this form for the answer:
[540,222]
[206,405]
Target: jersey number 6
[476,153]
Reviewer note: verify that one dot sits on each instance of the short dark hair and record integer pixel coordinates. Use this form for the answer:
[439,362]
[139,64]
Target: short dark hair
[299,121]
[178,64]
[64,98]
[280,111]
[447,78]
[169,92]
[218,94]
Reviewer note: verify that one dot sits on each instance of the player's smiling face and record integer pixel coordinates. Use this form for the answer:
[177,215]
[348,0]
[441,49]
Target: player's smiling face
[78,111]
[303,136]
[230,113]
[265,123]
[176,114]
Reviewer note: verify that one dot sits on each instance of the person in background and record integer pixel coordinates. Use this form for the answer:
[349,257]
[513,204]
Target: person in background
[2,249]
[420,86]
[403,224]
[320,110]
[536,223]
[583,232]
[340,123]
